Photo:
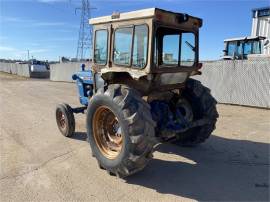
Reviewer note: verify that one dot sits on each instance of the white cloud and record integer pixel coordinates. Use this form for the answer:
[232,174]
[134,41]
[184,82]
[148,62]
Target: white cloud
[39,51]
[52,1]
[7,48]
[48,24]
[34,44]
[29,22]
[3,38]
[11,52]
[62,39]
[14,20]
[64,30]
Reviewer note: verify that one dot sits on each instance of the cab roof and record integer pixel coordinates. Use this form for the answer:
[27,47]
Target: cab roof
[245,38]
[155,13]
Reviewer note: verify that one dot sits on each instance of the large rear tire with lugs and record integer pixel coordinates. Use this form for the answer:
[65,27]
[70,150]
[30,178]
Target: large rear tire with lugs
[203,106]
[120,130]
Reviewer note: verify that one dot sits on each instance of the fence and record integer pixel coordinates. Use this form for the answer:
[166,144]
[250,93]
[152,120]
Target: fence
[245,82]
[64,71]
[14,68]
[22,70]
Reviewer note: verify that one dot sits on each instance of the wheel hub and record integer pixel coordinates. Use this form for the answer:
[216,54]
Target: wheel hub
[61,119]
[185,109]
[107,132]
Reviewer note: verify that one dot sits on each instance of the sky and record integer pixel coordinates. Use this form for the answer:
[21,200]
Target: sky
[50,28]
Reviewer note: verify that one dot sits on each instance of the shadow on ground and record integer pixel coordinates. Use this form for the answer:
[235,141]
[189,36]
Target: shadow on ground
[219,170]
[79,136]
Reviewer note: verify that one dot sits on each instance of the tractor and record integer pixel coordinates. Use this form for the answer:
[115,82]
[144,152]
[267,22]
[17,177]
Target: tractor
[138,92]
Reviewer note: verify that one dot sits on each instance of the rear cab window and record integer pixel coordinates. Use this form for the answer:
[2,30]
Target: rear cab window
[175,48]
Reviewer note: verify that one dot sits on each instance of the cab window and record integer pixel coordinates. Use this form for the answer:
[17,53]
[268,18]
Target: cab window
[257,47]
[231,48]
[139,57]
[100,50]
[248,48]
[170,51]
[122,46]
[187,49]
[175,48]
[127,37]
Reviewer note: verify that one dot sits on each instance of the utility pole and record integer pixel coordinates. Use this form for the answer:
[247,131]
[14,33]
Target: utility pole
[85,33]
[28,55]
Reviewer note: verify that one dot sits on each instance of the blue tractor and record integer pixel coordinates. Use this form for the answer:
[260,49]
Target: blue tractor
[139,91]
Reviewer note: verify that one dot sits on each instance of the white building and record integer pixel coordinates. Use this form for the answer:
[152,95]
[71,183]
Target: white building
[261,26]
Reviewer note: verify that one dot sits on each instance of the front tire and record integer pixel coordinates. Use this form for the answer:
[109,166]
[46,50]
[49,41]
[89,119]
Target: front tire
[65,119]
[120,130]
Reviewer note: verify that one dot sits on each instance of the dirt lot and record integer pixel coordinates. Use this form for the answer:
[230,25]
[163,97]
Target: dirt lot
[39,164]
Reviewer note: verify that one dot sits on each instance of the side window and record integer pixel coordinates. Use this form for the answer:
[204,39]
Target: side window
[100,51]
[231,48]
[122,46]
[239,49]
[247,48]
[256,47]
[187,49]
[139,56]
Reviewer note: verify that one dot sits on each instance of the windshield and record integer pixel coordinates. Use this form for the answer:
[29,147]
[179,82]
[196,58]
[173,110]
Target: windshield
[175,48]
[36,62]
[243,48]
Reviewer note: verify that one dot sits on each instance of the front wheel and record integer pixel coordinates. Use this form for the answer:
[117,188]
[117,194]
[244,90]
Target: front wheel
[65,119]
[120,130]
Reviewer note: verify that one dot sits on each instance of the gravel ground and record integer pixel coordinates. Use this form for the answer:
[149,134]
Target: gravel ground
[39,164]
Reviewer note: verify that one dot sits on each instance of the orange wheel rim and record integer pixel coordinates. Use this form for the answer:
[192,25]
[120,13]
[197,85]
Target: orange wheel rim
[107,132]
[61,119]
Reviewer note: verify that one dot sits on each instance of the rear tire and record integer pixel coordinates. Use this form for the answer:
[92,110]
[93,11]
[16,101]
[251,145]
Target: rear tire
[65,119]
[136,125]
[203,106]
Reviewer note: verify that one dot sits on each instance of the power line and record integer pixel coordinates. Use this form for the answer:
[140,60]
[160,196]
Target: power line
[85,33]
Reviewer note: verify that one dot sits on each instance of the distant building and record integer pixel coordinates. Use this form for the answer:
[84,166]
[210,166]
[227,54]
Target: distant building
[64,59]
[261,26]
[73,60]
[168,58]
[256,45]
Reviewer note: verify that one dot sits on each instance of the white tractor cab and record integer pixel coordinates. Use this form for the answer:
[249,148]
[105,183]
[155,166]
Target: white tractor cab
[38,66]
[243,47]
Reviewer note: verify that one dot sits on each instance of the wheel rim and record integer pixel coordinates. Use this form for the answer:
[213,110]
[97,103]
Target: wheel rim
[185,109]
[107,132]
[61,120]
